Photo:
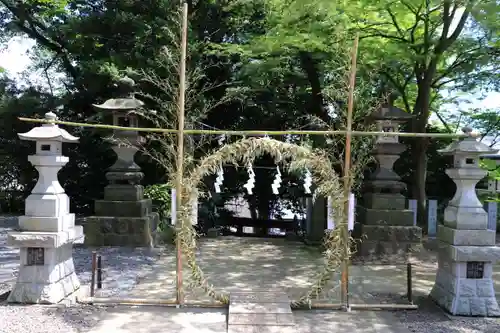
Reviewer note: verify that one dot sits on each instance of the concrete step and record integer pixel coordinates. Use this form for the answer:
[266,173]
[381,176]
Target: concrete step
[260,329]
[260,311]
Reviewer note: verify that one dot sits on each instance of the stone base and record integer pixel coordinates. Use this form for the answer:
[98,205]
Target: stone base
[213,233]
[389,217]
[123,208]
[384,201]
[453,290]
[51,283]
[465,297]
[388,243]
[50,240]
[121,231]
[123,192]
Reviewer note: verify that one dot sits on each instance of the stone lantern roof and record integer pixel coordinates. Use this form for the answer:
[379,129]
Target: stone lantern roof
[390,112]
[49,132]
[126,101]
[387,111]
[467,146]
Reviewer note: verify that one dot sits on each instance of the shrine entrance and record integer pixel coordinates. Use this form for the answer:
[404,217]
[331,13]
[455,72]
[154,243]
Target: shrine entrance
[297,158]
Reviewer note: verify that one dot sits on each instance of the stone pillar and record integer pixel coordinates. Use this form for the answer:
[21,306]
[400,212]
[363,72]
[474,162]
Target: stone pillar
[386,225]
[316,219]
[48,231]
[467,251]
[124,217]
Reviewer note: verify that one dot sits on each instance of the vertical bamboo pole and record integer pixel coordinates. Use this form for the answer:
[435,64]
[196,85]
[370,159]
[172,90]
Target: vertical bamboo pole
[180,149]
[347,171]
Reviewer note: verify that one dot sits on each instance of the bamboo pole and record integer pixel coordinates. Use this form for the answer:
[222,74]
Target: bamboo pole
[180,150]
[104,301]
[249,132]
[147,302]
[347,173]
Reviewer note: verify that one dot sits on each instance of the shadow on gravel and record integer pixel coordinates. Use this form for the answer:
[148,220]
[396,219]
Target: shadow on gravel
[431,315]
[122,267]
[81,318]
[146,319]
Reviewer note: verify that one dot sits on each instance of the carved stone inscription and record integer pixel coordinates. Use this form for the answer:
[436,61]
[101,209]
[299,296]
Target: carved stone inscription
[36,256]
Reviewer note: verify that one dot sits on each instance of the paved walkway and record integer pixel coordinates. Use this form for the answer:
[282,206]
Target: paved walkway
[170,320]
[239,264]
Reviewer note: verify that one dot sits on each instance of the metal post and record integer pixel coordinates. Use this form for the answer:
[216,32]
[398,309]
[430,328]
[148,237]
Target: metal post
[92,278]
[409,283]
[99,272]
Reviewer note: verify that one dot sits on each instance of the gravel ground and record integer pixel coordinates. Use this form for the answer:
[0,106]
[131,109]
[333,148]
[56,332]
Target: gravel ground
[429,318]
[122,269]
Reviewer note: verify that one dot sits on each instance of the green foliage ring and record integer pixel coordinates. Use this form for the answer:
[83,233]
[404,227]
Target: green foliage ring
[246,150]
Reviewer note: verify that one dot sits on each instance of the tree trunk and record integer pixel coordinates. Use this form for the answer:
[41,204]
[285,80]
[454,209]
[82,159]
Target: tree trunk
[419,179]
[422,112]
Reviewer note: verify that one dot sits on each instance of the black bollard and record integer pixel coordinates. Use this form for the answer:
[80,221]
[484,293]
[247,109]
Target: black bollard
[99,272]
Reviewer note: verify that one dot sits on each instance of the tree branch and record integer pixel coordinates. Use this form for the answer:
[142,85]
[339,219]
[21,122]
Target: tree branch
[445,41]
[30,26]
[401,90]
[395,21]
[490,128]
[382,35]
[441,119]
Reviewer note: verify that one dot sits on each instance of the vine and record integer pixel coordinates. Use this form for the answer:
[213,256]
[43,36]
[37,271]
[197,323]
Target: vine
[299,158]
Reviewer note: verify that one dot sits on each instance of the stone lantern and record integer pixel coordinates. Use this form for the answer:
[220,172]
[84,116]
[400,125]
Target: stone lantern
[124,143]
[385,221]
[48,231]
[493,184]
[467,250]
[124,217]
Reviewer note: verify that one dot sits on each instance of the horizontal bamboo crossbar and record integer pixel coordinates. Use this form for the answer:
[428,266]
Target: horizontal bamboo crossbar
[147,302]
[197,304]
[246,132]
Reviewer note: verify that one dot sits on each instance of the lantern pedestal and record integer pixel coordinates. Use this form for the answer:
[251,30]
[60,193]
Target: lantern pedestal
[46,273]
[467,251]
[124,217]
[386,228]
[48,231]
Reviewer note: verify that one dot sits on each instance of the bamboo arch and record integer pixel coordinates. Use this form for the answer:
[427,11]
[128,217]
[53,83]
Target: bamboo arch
[246,150]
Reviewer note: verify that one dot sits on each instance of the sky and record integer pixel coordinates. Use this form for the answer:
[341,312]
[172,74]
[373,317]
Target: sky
[15,58]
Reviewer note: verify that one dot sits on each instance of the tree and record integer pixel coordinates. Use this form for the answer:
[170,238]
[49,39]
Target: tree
[430,45]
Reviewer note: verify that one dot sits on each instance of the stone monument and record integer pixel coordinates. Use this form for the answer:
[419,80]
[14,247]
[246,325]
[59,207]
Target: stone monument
[386,225]
[124,217]
[48,230]
[467,250]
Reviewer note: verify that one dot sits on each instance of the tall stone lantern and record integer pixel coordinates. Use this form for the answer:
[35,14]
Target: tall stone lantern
[48,230]
[467,251]
[493,184]
[385,221]
[124,217]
